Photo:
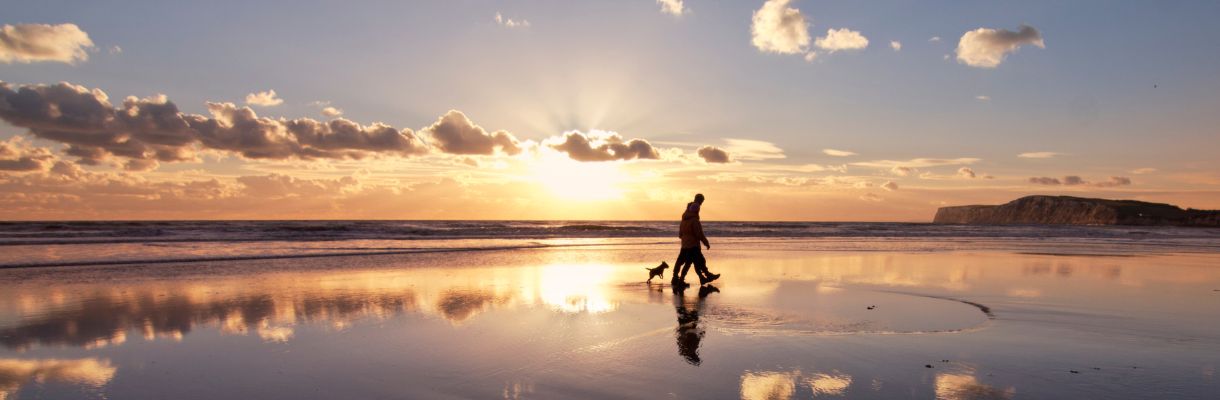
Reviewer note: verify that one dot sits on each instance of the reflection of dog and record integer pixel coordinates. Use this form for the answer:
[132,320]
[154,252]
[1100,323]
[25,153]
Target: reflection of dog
[658,271]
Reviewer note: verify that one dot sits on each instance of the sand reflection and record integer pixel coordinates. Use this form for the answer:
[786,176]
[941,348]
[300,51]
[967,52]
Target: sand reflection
[967,387]
[15,373]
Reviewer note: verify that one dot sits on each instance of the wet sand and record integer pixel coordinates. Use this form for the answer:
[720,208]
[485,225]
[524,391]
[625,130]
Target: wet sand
[787,320]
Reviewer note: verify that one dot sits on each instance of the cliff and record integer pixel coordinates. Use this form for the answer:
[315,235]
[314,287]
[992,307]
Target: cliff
[1077,211]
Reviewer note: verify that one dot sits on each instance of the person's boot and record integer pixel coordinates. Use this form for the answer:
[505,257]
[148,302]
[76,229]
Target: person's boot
[710,277]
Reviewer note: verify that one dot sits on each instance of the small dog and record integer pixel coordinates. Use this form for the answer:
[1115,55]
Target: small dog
[657,271]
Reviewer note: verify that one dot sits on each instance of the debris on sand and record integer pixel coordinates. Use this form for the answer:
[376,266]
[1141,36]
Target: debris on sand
[927,365]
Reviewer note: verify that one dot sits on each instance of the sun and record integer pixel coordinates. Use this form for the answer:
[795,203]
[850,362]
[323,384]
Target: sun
[574,180]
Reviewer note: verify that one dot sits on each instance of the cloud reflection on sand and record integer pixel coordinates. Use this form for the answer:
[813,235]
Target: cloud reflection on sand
[15,373]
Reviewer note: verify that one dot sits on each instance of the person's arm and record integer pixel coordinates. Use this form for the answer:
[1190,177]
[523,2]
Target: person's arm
[699,234]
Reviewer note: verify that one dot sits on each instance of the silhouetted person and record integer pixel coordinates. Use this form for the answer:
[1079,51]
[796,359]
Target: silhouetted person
[689,334]
[691,233]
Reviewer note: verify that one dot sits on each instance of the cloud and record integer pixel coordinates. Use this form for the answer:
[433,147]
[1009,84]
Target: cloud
[29,43]
[153,128]
[1040,154]
[1115,181]
[454,133]
[280,186]
[987,48]
[672,7]
[890,186]
[331,112]
[896,45]
[264,99]
[1044,180]
[511,23]
[713,154]
[966,172]
[810,56]
[1140,171]
[902,171]
[1073,180]
[841,39]
[746,149]
[778,28]
[17,155]
[982,98]
[934,39]
[918,162]
[837,153]
[871,198]
[602,146]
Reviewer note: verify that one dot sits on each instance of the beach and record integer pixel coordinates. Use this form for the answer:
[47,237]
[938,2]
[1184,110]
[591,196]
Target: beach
[802,310]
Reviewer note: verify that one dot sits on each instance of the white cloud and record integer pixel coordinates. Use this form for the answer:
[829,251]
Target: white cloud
[1040,154]
[778,28]
[902,171]
[871,198]
[841,39]
[332,112]
[264,99]
[116,49]
[966,172]
[987,47]
[810,56]
[511,23]
[837,153]
[918,162]
[672,7]
[896,45]
[746,149]
[934,39]
[982,98]
[28,43]
[890,186]
[1140,171]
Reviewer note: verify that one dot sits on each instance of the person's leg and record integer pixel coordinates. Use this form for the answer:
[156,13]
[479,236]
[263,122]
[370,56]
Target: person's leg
[678,274]
[700,264]
[687,258]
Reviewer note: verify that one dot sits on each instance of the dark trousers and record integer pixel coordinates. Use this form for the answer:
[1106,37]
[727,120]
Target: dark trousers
[687,257]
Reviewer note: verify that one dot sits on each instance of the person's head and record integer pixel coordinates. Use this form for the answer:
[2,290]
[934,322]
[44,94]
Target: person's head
[699,198]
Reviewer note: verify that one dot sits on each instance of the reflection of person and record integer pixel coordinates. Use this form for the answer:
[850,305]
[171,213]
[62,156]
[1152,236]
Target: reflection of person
[691,233]
[689,333]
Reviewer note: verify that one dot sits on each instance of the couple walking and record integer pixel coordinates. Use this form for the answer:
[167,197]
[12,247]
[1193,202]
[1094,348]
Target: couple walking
[691,233]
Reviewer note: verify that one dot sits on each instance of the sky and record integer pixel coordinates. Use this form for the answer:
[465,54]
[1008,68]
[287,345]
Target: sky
[589,110]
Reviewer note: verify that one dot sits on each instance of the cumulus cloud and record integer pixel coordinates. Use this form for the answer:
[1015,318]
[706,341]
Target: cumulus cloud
[672,7]
[902,171]
[153,128]
[28,43]
[511,23]
[454,133]
[869,197]
[778,28]
[841,39]
[1039,154]
[603,146]
[331,112]
[746,149]
[890,186]
[966,172]
[713,154]
[918,162]
[264,99]
[896,45]
[18,155]
[1073,180]
[837,153]
[987,47]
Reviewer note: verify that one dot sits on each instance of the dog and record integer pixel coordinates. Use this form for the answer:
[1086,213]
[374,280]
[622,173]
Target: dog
[657,271]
